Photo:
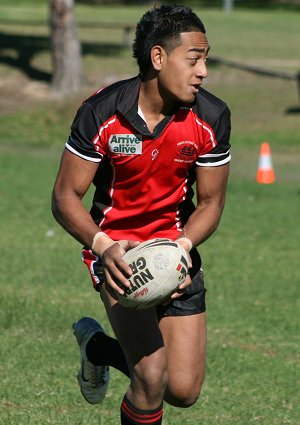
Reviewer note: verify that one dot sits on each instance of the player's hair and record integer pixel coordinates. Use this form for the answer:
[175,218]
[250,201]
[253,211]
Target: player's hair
[162,26]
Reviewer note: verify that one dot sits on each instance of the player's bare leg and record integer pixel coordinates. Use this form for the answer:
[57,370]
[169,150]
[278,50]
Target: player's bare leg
[143,346]
[185,341]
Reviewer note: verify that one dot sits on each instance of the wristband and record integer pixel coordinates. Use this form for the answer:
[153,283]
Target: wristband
[96,237]
[188,241]
[103,245]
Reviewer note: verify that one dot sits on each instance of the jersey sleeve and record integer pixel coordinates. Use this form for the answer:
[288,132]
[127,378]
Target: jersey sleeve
[219,154]
[84,137]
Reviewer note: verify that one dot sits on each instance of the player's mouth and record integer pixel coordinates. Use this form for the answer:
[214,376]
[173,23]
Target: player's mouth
[195,88]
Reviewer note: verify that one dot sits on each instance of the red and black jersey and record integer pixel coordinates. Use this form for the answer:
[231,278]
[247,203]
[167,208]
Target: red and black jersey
[143,186]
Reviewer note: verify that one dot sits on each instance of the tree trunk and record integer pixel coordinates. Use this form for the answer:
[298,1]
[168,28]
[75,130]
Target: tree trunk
[65,48]
[228,5]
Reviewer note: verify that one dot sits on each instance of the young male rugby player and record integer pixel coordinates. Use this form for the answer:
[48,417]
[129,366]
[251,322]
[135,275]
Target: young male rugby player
[143,142]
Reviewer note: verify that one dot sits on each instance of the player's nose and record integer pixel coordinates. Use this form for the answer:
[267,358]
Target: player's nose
[201,70]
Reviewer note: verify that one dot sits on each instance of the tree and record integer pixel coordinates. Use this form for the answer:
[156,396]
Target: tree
[65,48]
[228,6]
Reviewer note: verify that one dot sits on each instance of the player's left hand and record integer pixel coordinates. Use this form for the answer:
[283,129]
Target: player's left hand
[182,287]
[188,280]
[186,246]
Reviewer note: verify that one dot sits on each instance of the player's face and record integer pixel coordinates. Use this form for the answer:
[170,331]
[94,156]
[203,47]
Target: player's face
[183,69]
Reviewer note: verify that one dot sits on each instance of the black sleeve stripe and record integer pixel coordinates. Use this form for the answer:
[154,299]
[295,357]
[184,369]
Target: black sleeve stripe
[213,159]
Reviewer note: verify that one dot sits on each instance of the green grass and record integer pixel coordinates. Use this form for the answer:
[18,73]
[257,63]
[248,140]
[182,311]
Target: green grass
[251,263]
[251,271]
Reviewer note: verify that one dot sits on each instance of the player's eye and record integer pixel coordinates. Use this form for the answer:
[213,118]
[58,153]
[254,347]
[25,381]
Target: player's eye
[194,60]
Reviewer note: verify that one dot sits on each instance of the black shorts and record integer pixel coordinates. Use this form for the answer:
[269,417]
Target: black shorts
[192,301]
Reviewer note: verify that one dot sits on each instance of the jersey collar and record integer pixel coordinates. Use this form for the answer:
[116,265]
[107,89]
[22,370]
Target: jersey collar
[128,107]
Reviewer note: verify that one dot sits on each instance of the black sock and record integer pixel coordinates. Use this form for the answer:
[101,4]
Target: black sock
[104,350]
[130,415]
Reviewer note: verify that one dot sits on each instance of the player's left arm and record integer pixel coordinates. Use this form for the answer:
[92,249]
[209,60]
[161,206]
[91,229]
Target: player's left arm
[211,185]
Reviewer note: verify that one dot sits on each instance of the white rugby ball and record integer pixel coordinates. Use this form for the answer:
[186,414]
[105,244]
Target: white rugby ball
[158,267]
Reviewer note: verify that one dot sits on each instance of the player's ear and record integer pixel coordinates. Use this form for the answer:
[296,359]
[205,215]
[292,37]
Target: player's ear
[157,55]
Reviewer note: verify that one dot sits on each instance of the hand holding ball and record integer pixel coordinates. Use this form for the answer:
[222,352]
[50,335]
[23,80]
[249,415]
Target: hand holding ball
[158,267]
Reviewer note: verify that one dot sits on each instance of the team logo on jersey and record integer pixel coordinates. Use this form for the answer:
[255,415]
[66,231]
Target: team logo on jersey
[155,154]
[186,151]
[125,144]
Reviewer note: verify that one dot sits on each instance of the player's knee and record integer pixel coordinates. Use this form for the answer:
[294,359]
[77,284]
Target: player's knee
[188,399]
[151,379]
[154,377]
[183,399]
[183,394]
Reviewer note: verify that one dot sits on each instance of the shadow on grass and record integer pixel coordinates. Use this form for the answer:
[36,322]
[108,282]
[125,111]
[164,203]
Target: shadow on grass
[293,110]
[18,52]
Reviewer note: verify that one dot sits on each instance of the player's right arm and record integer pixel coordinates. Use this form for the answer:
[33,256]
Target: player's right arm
[74,178]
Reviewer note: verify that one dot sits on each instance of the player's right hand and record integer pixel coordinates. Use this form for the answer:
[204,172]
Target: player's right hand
[116,270]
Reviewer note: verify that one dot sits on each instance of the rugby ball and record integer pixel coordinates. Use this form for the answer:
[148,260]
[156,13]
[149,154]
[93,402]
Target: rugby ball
[158,267]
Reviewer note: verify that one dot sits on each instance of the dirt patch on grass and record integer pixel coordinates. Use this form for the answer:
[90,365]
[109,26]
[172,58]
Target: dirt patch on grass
[18,92]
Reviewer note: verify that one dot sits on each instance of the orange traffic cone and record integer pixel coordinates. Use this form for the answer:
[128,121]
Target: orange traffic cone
[265,172]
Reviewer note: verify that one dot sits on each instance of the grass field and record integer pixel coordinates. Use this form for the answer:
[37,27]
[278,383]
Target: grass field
[251,263]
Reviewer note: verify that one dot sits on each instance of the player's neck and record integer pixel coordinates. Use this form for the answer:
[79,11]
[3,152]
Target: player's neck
[153,106]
